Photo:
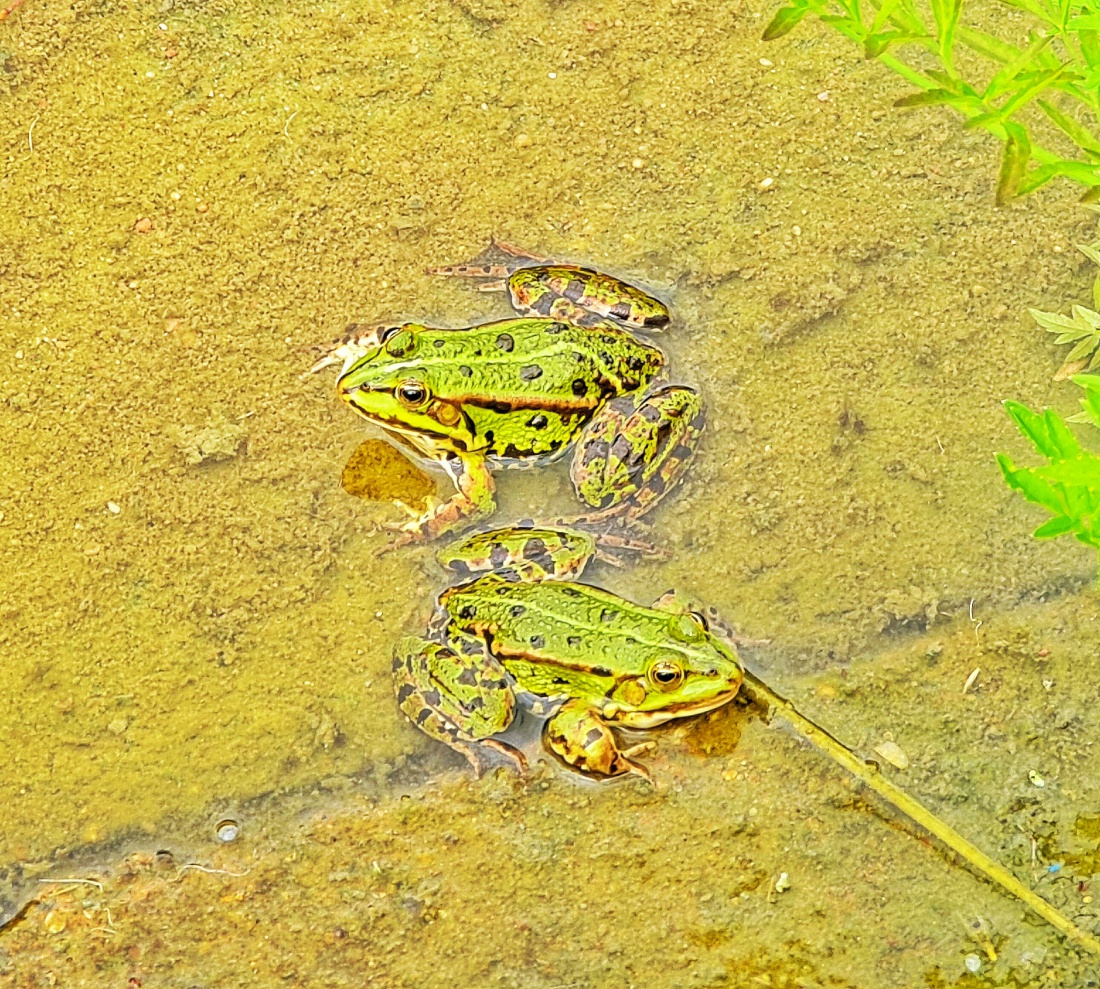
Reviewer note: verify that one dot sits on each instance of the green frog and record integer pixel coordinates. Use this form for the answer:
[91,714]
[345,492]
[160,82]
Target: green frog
[522,630]
[568,372]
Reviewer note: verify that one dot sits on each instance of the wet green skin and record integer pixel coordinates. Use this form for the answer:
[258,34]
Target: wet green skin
[521,392]
[586,657]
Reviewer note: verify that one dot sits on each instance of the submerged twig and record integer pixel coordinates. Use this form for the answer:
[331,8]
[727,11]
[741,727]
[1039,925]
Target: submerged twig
[868,773]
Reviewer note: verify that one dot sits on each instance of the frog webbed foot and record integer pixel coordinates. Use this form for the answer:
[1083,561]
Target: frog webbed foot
[497,261]
[581,738]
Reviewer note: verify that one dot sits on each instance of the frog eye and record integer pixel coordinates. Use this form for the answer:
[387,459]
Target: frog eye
[666,676]
[411,393]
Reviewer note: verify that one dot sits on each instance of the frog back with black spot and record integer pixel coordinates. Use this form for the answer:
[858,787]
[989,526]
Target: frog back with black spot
[516,390]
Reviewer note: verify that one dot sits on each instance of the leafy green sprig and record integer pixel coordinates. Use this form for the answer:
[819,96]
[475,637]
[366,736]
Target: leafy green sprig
[1058,72]
[1068,486]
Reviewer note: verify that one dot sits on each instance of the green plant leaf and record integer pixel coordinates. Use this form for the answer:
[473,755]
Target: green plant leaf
[1077,132]
[1090,251]
[1084,22]
[986,44]
[1035,178]
[946,15]
[1017,153]
[883,15]
[1057,526]
[1001,81]
[784,20]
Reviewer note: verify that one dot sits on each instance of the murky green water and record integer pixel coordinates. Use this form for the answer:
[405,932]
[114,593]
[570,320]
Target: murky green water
[194,194]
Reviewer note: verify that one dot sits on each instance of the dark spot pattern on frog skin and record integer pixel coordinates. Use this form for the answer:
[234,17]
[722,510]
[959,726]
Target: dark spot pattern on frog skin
[603,671]
[658,319]
[538,421]
[423,714]
[468,678]
[621,310]
[623,451]
[635,363]
[650,413]
[398,662]
[437,343]
[472,649]
[431,698]
[535,551]
[465,371]
[505,342]
[468,611]
[406,691]
[575,290]
[574,641]
[518,610]
[580,387]
[607,359]
[607,615]
[537,642]
[459,568]
[595,451]
[543,304]
[474,704]
[498,556]
[593,736]
[529,372]
[571,592]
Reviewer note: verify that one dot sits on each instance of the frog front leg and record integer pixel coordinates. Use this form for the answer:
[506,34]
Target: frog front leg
[578,736]
[473,500]
[629,457]
[458,698]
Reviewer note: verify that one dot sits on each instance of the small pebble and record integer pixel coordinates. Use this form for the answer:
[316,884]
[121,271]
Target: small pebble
[783,883]
[973,963]
[765,183]
[227,831]
[113,508]
[823,96]
[1035,778]
[767,63]
[893,754]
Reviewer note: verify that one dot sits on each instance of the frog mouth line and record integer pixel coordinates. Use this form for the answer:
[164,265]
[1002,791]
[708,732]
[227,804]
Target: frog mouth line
[685,709]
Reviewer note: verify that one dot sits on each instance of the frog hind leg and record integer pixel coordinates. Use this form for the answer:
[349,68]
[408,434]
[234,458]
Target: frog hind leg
[521,552]
[458,698]
[578,736]
[583,296]
[628,458]
[473,500]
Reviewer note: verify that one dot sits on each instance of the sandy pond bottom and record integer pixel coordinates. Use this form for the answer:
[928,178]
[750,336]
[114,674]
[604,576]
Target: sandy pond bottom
[555,882]
[194,623]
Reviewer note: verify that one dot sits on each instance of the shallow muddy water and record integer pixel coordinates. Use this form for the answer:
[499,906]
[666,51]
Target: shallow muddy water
[196,623]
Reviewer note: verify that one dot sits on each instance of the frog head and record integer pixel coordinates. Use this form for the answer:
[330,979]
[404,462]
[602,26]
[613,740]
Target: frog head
[390,386]
[688,671]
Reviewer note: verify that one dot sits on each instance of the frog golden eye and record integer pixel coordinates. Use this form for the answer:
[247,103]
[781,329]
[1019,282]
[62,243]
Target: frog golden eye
[412,393]
[666,675]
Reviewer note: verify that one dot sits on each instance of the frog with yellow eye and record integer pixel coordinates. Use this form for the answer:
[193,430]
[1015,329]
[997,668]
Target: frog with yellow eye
[568,372]
[522,631]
